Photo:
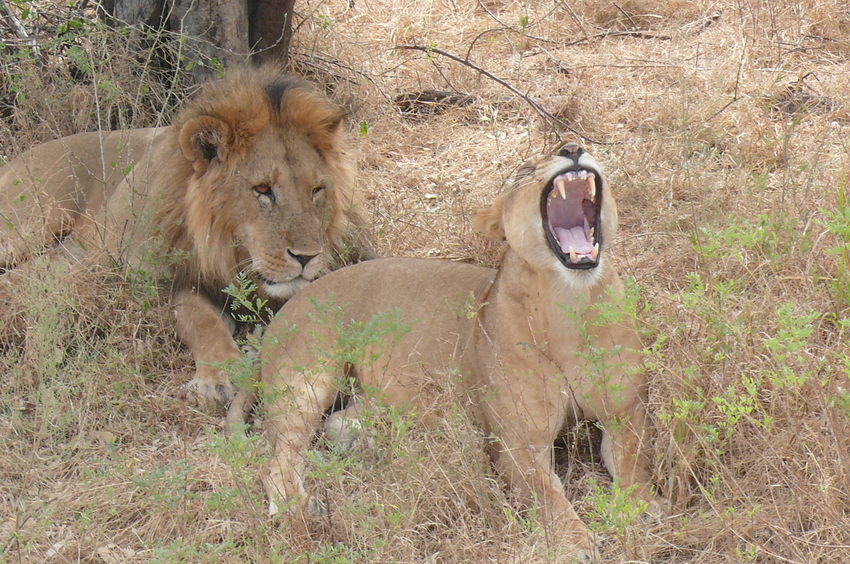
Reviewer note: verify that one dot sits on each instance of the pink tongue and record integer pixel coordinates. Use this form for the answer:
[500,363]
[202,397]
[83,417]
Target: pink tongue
[575,238]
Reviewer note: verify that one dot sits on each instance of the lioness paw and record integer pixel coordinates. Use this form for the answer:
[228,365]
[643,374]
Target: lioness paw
[657,508]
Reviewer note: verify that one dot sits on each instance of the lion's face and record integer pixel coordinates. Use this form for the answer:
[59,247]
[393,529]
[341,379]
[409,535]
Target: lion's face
[285,189]
[267,184]
[559,215]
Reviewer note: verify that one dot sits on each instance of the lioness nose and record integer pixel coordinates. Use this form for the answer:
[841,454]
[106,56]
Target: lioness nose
[302,259]
[571,151]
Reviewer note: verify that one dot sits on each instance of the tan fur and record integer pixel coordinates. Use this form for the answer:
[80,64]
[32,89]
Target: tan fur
[196,185]
[505,331]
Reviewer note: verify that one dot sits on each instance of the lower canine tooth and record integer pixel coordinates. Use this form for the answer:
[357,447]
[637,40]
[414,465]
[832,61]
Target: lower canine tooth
[573,255]
[595,252]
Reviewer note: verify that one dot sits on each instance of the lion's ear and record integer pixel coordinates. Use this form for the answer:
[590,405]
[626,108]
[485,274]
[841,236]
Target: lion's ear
[312,113]
[203,139]
[488,221]
[326,136]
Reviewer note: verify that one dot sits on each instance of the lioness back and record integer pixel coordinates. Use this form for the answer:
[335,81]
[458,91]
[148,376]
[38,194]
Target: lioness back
[425,307]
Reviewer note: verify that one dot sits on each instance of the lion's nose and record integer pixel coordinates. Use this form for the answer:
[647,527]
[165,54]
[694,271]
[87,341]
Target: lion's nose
[302,259]
[571,151]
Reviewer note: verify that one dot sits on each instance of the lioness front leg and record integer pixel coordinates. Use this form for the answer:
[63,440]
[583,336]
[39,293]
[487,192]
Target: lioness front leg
[527,422]
[206,334]
[625,444]
[529,471]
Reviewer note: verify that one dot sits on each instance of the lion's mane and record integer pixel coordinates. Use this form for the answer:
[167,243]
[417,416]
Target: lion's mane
[193,216]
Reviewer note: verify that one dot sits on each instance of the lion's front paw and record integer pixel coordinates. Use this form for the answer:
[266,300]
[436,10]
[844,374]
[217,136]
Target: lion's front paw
[211,387]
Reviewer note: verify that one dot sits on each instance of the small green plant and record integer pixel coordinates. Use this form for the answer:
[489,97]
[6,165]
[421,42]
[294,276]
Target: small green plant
[528,520]
[609,310]
[245,305]
[355,342]
[614,509]
[767,235]
[838,223]
[239,452]
[337,553]
[523,23]
[325,21]
[792,334]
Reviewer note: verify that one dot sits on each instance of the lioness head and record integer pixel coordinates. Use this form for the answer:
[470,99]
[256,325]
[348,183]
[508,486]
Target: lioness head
[559,214]
[260,182]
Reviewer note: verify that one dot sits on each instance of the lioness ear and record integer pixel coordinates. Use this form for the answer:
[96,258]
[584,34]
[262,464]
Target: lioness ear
[488,221]
[204,138]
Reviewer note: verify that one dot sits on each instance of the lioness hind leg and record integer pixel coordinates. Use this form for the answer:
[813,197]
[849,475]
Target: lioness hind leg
[293,415]
[625,445]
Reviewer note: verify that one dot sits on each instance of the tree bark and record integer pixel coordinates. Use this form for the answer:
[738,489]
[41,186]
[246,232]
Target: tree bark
[221,33]
[270,29]
[217,32]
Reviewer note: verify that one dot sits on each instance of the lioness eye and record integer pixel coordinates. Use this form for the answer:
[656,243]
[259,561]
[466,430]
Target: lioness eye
[317,191]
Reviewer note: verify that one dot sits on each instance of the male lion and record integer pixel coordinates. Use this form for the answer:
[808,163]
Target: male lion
[252,176]
[518,336]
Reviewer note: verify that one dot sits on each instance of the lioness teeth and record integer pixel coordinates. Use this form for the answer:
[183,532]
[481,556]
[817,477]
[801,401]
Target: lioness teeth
[591,189]
[591,233]
[559,184]
[595,252]
[573,255]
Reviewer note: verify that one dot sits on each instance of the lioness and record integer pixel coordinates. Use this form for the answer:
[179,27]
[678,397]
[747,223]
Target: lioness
[516,335]
[252,176]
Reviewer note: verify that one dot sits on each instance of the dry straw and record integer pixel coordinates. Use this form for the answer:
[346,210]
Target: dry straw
[723,126]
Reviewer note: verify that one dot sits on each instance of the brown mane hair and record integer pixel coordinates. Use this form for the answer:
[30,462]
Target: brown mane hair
[223,121]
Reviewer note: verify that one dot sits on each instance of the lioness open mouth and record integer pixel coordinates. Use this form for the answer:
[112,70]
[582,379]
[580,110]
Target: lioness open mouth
[571,206]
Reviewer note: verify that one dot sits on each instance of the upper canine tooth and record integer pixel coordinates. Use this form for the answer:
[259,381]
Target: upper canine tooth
[595,251]
[560,185]
[591,189]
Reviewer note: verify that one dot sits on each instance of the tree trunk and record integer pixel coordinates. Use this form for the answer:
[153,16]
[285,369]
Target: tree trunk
[217,32]
[270,29]
[221,33]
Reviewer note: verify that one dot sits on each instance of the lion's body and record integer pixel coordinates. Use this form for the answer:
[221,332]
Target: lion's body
[515,335]
[63,186]
[252,176]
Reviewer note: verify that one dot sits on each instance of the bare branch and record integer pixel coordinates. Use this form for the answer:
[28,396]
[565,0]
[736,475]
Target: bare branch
[17,27]
[542,112]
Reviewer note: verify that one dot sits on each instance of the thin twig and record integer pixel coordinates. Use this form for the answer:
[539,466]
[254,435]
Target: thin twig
[736,95]
[542,112]
[17,27]
[507,27]
[628,17]
[645,34]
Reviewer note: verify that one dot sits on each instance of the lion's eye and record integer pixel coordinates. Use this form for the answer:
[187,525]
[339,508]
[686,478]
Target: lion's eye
[264,190]
[318,191]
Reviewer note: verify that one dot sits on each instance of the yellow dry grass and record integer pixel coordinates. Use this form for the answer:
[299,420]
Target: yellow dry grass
[724,130]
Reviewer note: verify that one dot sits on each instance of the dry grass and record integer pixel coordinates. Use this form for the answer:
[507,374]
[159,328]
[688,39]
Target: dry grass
[724,128]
